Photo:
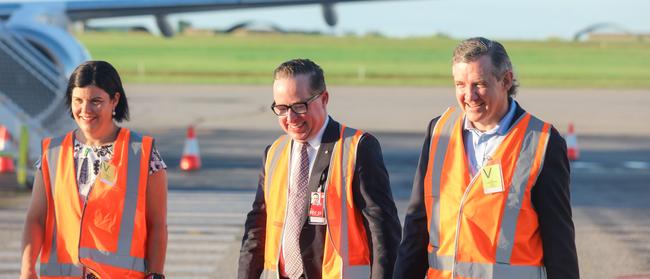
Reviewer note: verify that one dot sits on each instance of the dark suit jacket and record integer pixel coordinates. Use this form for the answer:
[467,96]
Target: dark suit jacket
[550,198]
[372,195]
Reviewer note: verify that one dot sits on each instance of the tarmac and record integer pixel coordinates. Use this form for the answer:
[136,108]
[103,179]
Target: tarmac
[610,189]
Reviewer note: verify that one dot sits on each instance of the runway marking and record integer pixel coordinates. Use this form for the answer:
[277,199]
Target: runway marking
[630,165]
[203,226]
[634,276]
[637,165]
[585,165]
[11,223]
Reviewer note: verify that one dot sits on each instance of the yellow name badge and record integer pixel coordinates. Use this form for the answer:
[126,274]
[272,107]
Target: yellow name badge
[492,179]
[107,173]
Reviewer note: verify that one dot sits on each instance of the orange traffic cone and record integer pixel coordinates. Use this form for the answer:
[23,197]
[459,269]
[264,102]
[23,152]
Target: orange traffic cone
[6,160]
[572,144]
[191,159]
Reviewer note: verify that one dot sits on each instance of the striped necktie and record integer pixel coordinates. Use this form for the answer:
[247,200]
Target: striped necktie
[297,212]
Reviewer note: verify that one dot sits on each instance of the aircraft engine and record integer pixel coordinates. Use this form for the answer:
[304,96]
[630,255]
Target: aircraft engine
[43,27]
[329,13]
[164,26]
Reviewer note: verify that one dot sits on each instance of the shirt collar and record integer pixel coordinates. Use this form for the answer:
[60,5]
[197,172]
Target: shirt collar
[316,140]
[501,128]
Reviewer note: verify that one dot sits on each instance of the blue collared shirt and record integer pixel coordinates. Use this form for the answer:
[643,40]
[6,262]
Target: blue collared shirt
[479,146]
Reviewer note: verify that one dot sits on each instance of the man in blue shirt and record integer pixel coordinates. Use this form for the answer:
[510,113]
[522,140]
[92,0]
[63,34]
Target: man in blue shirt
[490,226]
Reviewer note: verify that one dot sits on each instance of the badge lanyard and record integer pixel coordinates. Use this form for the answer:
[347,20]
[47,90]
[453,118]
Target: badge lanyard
[317,202]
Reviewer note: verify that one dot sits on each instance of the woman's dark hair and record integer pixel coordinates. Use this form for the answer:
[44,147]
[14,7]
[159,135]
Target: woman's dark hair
[102,75]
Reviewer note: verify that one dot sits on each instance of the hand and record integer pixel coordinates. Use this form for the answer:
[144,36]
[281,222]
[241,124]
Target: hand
[29,274]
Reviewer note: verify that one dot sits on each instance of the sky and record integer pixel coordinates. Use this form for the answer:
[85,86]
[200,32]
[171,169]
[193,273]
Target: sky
[497,19]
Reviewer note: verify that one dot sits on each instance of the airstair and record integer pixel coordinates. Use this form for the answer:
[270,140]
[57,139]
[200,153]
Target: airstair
[32,91]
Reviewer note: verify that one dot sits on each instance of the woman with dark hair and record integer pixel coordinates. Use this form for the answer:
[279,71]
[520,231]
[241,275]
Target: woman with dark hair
[99,201]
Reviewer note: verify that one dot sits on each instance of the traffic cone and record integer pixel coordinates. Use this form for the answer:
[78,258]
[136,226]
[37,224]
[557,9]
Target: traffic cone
[6,160]
[191,159]
[572,144]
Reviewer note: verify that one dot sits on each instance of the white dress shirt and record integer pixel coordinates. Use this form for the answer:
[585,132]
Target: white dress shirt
[312,151]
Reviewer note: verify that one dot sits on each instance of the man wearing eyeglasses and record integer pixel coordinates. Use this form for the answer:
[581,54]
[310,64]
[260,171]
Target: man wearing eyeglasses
[324,207]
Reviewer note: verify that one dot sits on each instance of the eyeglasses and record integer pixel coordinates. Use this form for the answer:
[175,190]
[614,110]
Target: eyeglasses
[299,108]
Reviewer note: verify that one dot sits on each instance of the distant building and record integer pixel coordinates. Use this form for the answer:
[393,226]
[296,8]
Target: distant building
[618,37]
[114,28]
[610,32]
[254,27]
[257,27]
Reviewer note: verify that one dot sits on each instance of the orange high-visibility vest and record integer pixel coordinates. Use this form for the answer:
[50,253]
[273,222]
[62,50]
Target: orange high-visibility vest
[346,253]
[477,235]
[109,234]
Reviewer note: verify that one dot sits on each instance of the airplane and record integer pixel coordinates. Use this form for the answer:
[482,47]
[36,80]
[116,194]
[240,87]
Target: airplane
[37,53]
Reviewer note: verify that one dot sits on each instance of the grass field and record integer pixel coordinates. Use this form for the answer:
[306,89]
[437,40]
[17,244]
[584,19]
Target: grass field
[226,59]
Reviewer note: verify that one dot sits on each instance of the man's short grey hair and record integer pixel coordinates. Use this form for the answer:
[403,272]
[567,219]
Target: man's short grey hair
[298,67]
[473,49]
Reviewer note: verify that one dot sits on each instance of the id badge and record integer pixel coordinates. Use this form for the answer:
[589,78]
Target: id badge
[107,173]
[492,178]
[316,208]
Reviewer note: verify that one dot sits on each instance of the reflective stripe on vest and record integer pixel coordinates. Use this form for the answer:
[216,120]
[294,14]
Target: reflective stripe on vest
[51,267]
[529,136]
[483,270]
[98,243]
[276,181]
[346,252]
[440,137]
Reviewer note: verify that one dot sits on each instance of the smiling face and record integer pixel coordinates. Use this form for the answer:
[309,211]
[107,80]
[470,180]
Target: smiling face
[481,94]
[291,90]
[92,109]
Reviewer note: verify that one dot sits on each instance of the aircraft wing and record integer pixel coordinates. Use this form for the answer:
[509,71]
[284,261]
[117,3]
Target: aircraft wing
[36,46]
[75,10]
[80,10]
